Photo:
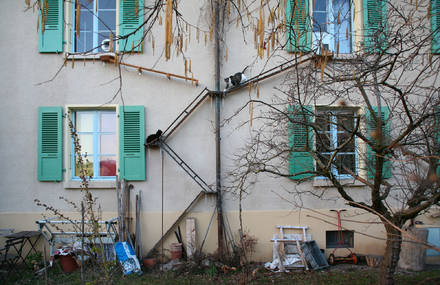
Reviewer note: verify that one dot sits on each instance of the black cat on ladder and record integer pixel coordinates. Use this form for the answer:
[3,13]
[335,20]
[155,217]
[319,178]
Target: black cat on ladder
[153,139]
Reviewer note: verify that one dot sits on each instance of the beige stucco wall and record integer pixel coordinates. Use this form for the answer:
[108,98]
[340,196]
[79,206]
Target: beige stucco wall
[260,224]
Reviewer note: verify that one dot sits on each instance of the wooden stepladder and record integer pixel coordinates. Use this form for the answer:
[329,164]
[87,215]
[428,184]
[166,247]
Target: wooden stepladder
[291,240]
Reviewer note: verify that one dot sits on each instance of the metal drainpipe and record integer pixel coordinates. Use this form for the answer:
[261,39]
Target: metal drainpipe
[217,131]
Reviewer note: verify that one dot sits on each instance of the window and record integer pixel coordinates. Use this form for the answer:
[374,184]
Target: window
[97,20]
[332,25]
[97,135]
[331,239]
[335,127]
[112,137]
[323,130]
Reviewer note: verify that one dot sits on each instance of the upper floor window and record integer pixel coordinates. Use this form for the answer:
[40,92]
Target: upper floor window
[85,26]
[332,25]
[97,20]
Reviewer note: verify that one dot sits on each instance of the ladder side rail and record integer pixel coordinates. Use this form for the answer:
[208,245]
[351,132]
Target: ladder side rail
[185,167]
[185,113]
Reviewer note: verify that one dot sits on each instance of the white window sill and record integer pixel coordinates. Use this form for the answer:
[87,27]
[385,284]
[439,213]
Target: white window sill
[92,56]
[340,57]
[344,182]
[103,184]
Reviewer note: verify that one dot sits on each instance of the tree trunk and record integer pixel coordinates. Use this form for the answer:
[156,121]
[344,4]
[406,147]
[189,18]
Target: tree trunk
[391,256]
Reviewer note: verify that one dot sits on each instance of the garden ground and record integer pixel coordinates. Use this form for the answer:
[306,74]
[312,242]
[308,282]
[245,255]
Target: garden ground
[339,274]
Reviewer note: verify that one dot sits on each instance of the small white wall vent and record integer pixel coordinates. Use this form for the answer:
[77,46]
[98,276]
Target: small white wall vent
[105,45]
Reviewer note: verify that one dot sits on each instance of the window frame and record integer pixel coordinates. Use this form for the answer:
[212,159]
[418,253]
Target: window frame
[96,154]
[68,180]
[334,138]
[317,36]
[346,234]
[95,31]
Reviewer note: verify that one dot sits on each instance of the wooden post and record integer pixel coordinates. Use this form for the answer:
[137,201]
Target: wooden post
[277,250]
[190,237]
[122,217]
[118,200]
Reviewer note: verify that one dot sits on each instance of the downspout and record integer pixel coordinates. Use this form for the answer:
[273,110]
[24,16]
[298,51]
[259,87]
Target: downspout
[217,130]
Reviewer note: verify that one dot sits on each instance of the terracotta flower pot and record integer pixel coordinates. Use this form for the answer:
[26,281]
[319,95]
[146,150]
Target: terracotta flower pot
[68,263]
[176,250]
[149,262]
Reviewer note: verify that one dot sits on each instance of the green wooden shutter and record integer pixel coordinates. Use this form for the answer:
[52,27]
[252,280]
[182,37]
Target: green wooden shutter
[371,156]
[131,141]
[435,26]
[437,134]
[298,26]
[131,17]
[300,142]
[51,40]
[375,25]
[50,143]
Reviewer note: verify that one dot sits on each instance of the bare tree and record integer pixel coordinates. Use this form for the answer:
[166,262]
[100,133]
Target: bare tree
[372,117]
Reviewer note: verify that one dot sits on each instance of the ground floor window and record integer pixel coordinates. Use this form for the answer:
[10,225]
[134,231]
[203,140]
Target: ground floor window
[332,238]
[97,136]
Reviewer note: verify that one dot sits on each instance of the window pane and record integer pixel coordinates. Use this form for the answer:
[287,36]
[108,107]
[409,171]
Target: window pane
[84,122]
[108,144]
[108,121]
[84,42]
[107,4]
[107,166]
[345,122]
[320,5]
[342,16]
[107,20]
[323,143]
[345,160]
[86,21]
[324,159]
[342,138]
[86,142]
[87,164]
[319,22]
[86,4]
[323,122]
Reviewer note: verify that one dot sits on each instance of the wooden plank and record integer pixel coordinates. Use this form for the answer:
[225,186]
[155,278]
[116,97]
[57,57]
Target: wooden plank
[277,250]
[118,200]
[292,227]
[301,254]
[190,237]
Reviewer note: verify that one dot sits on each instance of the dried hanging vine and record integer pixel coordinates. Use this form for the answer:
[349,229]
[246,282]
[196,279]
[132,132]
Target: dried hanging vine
[168,28]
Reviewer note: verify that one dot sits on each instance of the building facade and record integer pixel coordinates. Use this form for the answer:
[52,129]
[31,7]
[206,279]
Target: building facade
[57,76]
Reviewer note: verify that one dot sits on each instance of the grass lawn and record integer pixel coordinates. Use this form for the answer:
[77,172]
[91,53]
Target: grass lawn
[340,274]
